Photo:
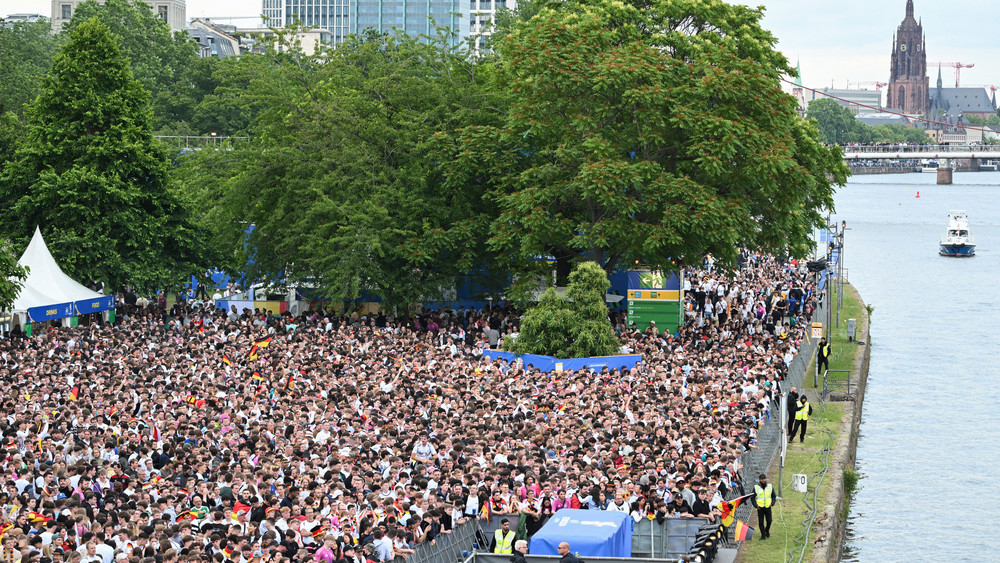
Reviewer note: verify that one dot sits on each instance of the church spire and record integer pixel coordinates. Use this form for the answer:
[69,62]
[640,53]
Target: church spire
[909,9]
[939,76]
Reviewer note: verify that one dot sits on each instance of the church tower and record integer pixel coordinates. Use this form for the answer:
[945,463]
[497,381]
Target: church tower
[908,82]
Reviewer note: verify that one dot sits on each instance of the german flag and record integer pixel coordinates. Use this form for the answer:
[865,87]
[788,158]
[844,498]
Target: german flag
[253,352]
[228,551]
[742,532]
[264,343]
[74,393]
[319,531]
[226,360]
[728,509]
[257,376]
[290,384]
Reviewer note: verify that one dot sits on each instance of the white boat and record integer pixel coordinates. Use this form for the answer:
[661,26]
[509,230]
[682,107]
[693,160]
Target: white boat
[929,166]
[956,240]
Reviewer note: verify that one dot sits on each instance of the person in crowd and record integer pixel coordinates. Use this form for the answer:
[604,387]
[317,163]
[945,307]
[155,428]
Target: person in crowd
[189,433]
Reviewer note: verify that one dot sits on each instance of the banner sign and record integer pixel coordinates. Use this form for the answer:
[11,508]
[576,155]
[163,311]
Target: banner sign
[51,312]
[95,305]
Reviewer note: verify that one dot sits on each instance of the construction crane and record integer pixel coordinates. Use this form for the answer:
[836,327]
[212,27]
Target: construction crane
[957,66]
[877,85]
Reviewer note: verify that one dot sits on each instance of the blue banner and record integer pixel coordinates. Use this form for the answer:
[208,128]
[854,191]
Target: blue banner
[551,363]
[95,305]
[51,312]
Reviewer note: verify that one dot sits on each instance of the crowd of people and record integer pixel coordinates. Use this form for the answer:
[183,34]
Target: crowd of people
[196,434]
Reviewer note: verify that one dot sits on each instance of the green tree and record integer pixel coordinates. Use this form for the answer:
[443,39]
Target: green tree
[836,123]
[336,180]
[650,131]
[10,131]
[574,326]
[26,51]
[91,175]
[12,276]
[166,63]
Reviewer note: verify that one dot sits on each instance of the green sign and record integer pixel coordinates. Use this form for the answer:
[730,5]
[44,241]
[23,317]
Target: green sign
[666,314]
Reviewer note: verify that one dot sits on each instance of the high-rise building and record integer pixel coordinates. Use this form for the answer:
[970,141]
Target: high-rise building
[330,15]
[415,18]
[174,12]
[908,82]
[482,15]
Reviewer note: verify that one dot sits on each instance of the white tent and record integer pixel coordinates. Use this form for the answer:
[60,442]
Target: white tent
[47,285]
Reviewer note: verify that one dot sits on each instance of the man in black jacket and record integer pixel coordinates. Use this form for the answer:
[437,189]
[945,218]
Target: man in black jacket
[520,549]
[792,404]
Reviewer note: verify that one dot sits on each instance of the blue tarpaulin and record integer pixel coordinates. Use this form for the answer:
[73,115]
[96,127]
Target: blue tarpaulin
[591,533]
[551,363]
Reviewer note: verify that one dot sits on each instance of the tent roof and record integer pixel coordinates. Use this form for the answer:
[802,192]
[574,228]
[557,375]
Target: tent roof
[46,283]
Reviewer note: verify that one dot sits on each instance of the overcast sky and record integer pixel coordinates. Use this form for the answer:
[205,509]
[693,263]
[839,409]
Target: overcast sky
[836,40]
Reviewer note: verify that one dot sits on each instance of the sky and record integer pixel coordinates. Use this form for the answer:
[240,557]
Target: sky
[836,41]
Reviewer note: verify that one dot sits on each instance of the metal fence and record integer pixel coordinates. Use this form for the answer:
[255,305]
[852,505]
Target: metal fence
[447,548]
[840,381]
[669,540]
[769,438]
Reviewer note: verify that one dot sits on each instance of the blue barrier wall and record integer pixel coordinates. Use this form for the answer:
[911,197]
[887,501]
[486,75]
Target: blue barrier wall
[549,363]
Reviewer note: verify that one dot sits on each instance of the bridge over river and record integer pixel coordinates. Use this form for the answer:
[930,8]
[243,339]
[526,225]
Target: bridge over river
[943,154]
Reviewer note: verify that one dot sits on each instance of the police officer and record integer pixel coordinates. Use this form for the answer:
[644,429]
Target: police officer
[765,496]
[503,538]
[801,419]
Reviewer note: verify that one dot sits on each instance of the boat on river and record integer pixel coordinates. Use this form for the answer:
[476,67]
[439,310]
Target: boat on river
[956,240]
[929,166]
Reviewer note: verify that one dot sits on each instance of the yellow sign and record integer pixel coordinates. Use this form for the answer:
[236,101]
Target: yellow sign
[817,330]
[52,312]
[660,294]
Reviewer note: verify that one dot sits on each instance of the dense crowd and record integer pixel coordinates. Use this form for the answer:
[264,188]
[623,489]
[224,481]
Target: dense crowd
[195,434]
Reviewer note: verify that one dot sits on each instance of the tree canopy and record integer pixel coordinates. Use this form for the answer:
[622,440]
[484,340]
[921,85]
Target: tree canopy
[837,125]
[337,182]
[574,326]
[651,132]
[165,63]
[90,174]
[26,50]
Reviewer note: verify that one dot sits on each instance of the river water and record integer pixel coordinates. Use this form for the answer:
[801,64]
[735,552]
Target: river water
[929,449]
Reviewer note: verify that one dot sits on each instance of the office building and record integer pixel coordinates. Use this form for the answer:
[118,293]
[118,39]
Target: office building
[174,12]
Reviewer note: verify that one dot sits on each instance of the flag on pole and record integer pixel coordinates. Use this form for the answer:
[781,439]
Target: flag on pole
[253,352]
[226,360]
[742,532]
[264,343]
[728,509]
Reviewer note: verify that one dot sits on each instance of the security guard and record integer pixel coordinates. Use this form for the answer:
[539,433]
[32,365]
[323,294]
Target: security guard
[801,419]
[823,356]
[503,539]
[765,496]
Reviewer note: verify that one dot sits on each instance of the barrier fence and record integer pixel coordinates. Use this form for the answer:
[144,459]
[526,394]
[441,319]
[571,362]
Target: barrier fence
[757,461]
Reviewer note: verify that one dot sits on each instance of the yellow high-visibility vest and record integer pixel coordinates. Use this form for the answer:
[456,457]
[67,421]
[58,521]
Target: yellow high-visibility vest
[803,412]
[504,544]
[763,495]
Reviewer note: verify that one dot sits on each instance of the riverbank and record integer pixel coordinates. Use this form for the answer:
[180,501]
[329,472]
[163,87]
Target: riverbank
[811,525]
[868,170]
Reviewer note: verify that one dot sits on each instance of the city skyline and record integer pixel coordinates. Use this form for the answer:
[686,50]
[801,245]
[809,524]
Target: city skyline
[835,42]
